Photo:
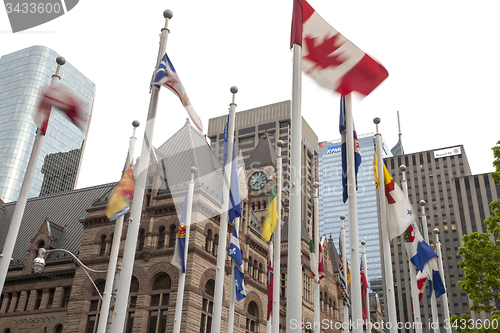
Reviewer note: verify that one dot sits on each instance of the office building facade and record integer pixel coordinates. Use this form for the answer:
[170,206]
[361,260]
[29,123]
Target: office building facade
[274,121]
[23,75]
[457,204]
[331,204]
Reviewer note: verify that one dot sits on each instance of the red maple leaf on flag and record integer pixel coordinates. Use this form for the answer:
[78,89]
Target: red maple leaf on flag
[321,53]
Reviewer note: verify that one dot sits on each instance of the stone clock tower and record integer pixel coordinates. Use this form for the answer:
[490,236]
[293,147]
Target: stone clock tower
[260,168]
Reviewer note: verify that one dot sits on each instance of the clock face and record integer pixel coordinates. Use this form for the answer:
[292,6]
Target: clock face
[257,181]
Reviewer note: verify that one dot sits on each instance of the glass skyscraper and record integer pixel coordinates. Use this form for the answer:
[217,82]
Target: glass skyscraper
[331,205]
[23,75]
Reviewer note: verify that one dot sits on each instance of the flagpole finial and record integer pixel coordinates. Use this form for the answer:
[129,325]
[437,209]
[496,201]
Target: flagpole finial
[342,217]
[60,60]
[376,120]
[402,168]
[436,231]
[136,123]
[422,202]
[234,89]
[280,143]
[193,169]
[315,184]
[363,242]
[168,14]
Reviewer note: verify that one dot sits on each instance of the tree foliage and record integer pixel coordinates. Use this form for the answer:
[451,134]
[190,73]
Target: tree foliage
[481,265]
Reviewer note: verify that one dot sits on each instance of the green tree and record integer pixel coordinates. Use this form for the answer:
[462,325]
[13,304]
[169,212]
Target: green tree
[481,265]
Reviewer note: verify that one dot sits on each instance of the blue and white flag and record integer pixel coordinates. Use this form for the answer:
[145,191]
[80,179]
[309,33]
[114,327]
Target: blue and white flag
[239,275]
[234,188]
[357,150]
[180,244]
[167,76]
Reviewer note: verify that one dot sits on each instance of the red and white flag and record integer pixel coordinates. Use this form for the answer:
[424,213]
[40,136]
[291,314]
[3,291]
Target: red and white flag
[64,99]
[331,59]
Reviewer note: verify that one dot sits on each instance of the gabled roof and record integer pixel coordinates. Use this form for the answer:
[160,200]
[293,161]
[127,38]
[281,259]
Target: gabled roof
[304,234]
[63,209]
[263,154]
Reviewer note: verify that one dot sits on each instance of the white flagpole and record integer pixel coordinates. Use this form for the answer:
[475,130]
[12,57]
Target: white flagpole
[294,268]
[444,298]
[104,320]
[317,306]
[277,244]
[271,319]
[435,319]
[386,244]
[344,267]
[140,186]
[232,297]
[413,274]
[357,315]
[17,216]
[367,292]
[182,276]
[221,251]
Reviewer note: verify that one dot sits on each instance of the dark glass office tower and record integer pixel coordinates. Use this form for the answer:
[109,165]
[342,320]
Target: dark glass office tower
[23,74]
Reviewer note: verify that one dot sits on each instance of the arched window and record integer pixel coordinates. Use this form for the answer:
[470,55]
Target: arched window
[172,235]
[7,330]
[208,240]
[142,237]
[95,306]
[207,307]
[253,205]
[161,237]
[158,307]
[258,205]
[250,266]
[58,328]
[252,317]
[330,312]
[215,245]
[132,304]
[40,244]
[102,250]
[264,203]
[325,307]
[261,272]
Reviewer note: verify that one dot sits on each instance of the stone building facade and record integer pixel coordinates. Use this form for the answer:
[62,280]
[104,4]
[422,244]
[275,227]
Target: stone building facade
[62,298]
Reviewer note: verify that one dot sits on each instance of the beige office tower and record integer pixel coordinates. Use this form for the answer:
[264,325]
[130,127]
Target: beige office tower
[273,121]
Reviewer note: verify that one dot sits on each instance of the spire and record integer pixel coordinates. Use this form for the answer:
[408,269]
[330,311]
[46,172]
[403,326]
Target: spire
[398,150]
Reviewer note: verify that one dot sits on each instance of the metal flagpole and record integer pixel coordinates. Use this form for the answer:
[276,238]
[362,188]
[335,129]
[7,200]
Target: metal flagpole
[441,272]
[294,268]
[182,276]
[435,320]
[357,314]
[104,320]
[271,319]
[413,274]
[317,306]
[386,245]
[140,186]
[221,251]
[367,292]
[232,295]
[17,216]
[277,244]
[344,267]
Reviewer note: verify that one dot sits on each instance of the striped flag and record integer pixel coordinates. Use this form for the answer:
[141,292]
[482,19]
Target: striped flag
[272,213]
[122,193]
[166,76]
[344,282]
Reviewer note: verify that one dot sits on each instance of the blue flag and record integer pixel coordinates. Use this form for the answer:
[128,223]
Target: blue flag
[234,189]
[239,275]
[180,244]
[357,150]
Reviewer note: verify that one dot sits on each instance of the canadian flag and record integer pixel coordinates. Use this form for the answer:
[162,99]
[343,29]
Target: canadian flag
[331,59]
[64,99]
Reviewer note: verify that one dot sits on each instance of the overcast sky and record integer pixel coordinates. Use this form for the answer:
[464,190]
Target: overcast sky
[442,59]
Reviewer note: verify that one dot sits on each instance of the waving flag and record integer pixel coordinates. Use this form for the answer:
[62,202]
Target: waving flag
[239,272]
[167,76]
[234,188]
[321,261]
[436,284]
[329,58]
[418,250]
[270,277]
[272,213]
[63,98]
[399,209]
[421,280]
[180,244]
[364,289]
[344,282]
[357,150]
[119,199]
